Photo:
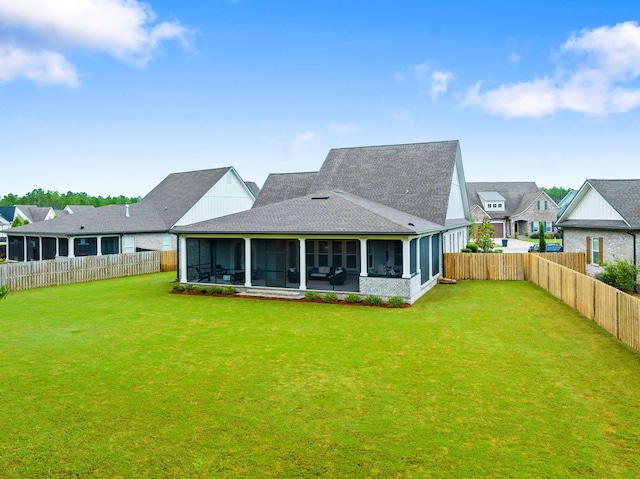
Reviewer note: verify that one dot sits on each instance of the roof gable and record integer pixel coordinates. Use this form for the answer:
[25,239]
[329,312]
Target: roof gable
[285,186]
[604,202]
[414,178]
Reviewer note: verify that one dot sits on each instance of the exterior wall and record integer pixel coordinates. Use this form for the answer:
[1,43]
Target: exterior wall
[477,215]
[592,206]
[229,195]
[615,244]
[456,239]
[456,207]
[533,214]
[154,241]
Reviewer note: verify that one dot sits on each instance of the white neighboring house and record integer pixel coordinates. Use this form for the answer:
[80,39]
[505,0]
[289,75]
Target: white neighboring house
[180,199]
[603,220]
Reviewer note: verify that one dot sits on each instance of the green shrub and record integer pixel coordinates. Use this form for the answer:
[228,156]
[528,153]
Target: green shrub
[201,289]
[473,247]
[372,300]
[352,298]
[229,290]
[534,236]
[330,298]
[4,291]
[312,295]
[621,274]
[214,289]
[189,288]
[179,288]
[465,250]
[395,302]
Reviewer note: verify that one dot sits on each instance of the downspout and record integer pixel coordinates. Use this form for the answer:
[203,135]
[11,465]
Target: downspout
[635,255]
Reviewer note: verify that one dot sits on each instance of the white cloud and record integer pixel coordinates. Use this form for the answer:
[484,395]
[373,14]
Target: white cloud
[43,67]
[301,142]
[124,29]
[342,129]
[440,82]
[434,81]
[611,57]
[514,58]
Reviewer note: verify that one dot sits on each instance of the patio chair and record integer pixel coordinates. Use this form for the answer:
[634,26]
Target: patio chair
[338,276]
[203,275]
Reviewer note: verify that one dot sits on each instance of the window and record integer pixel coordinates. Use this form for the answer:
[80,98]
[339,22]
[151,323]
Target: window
[167,242]
[323,253]
[352,254]
[110,245]
[337,253]
[596,255]
[16,248]
[63,246]
[85,246]
[385,257]
[310,247]
[542,205]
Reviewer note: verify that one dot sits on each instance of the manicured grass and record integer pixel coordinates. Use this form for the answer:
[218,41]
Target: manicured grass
[480,379]
[536,240]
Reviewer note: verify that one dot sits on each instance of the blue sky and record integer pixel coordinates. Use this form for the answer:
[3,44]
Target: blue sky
[110,96]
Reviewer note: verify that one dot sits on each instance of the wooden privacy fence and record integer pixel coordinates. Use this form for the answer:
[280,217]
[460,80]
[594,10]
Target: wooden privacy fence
[504,266]
[613,310]
[60,271]
[169,260]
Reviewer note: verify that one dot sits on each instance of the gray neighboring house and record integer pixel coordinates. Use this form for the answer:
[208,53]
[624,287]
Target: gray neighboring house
[181,198]
[603,220]
[512,207]
[372,220]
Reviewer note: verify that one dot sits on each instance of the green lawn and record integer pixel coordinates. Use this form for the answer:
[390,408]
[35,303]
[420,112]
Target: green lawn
[480,379]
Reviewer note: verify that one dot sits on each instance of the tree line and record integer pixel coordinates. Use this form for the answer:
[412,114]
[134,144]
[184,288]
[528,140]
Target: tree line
[556,193]
[58,201]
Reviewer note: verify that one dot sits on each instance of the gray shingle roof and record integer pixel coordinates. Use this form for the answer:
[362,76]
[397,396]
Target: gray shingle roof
[155,213]
[375,189]
[285,186]
[111,219]
[253,188]
[178,192]
[518,195]
[414,178]
[323,212]
[623,196]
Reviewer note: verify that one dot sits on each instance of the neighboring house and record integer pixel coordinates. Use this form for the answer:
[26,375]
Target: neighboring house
[181,198]
[564,202]
[603,220]
[513,208]
[372,220]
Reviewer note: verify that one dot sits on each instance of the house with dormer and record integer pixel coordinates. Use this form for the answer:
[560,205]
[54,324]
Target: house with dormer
[513,208]
[373,220]
[180,199]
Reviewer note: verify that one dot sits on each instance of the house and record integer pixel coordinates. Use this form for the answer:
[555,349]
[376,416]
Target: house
[513,208]
[181,198]
[603,220]
[372,220]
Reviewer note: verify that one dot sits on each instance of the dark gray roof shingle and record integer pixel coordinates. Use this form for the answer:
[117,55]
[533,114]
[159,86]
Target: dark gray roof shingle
[623,196]
[285,186]
[518,195]
[318,213]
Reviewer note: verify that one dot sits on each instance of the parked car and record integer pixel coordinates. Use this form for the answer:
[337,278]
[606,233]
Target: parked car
[551,248]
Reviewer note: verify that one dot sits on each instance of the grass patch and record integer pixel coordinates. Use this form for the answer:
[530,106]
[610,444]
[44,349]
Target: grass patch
[120,379]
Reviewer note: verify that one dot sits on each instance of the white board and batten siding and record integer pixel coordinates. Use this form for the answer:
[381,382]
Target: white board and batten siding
[229,195]
[594,207]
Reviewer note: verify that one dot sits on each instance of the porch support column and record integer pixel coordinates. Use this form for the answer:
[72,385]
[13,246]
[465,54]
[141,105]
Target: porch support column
[406,258]
[25,247]
[418,270]
[71,247]
[303,264]
[98,245]
[363,258]
[182,259]
[247,261]
[39,248]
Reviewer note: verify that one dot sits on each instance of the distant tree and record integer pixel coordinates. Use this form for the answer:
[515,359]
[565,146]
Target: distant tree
[543,240]
[57,201]
[556,193]
[484,235]
[4,291]
[17,221]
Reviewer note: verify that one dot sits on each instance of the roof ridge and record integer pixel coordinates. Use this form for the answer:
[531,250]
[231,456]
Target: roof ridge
[394,144]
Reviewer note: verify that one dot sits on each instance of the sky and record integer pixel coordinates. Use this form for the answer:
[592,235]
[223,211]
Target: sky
[108,97]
